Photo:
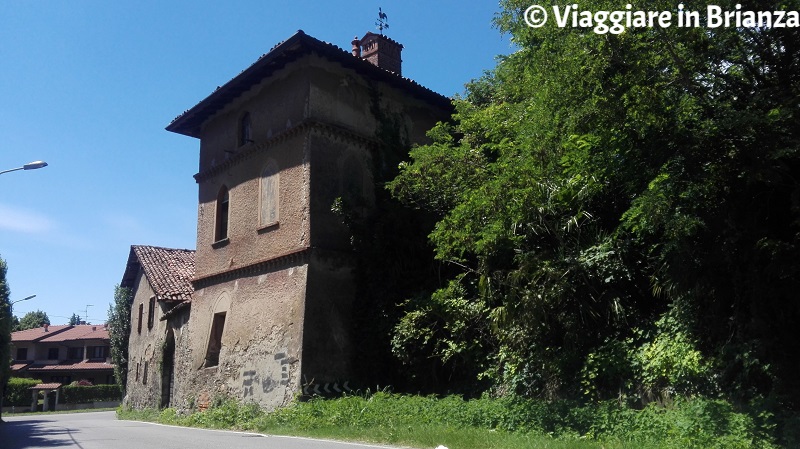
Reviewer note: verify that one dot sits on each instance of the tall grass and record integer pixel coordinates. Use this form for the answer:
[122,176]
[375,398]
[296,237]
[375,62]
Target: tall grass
[426,422]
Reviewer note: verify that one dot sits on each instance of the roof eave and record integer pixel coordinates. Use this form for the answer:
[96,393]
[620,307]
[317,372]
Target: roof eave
[190,122]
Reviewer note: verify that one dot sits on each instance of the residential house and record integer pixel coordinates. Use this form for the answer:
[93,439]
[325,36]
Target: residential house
[63,354]
[160,280]
[302,129]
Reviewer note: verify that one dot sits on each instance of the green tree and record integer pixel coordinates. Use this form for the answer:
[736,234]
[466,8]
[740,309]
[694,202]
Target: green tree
[32,320]
[593,184]
[5,333]
[75,319]
[119,329]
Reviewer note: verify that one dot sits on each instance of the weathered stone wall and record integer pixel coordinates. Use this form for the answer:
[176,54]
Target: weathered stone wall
[144,349]
[248,241]
[145,390]
[260,356]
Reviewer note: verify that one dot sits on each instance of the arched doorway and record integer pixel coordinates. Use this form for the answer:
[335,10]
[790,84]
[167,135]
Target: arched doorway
[168,368]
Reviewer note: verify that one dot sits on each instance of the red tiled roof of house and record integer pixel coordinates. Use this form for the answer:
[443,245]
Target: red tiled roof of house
[50,386]
[72,366]
[79,332]
[55,334]
[19,366]
[37,333]
[169,271]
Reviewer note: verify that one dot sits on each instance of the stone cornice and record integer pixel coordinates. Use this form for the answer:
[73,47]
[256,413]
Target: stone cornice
[307,125]
[292,258]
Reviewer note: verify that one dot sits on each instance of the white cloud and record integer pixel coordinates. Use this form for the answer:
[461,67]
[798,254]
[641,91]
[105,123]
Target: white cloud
[20,220]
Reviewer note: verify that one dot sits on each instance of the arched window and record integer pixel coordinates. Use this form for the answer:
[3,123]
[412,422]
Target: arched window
[270,195]
[221,225]
[245,129]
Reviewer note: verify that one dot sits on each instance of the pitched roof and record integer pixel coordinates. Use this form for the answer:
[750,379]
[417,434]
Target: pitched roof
[50,386]
[57,334]
[287,51]
[37,333]
[79,332]
[169,271]
[72,366]
[19,366]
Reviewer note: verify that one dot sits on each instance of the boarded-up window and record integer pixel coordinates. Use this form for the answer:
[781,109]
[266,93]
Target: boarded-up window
[270,185]
[215,340]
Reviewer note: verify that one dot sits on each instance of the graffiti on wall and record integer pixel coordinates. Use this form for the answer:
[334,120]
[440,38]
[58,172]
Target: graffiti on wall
[261,380]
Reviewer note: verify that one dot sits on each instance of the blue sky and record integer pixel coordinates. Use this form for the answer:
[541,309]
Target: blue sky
[89,85]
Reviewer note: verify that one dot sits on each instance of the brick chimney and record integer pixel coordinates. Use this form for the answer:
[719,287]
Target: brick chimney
[380,51]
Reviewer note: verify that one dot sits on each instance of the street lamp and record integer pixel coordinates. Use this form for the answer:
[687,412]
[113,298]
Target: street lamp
[23,299]
[29,166]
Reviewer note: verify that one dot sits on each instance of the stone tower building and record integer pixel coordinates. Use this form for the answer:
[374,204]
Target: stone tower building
[280,144]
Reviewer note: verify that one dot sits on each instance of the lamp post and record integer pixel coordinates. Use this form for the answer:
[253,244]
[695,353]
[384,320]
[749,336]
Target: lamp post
[29,166]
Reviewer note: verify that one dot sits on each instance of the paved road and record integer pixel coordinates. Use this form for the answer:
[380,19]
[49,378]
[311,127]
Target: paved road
[102,430]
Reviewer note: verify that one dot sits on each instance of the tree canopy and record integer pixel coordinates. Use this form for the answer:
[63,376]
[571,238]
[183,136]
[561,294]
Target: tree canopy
[5,331]
[32,320]
[119,329]
[623,211]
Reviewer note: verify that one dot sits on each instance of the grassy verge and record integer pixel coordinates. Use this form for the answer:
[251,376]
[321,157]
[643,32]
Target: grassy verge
[426,422]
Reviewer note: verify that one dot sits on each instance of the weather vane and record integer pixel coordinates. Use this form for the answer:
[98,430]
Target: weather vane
[381,23]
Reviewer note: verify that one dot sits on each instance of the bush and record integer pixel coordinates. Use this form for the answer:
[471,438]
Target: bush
[77,394]
[18,393]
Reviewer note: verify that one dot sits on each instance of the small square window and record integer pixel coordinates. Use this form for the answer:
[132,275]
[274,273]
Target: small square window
[52,354]
[22,353]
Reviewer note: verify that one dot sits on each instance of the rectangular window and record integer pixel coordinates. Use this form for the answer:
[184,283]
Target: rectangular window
[22,353]
[151,313]
[144,375]
[61,379]
[137,371]
[75,353]
[52,354]
[215,340]
[141,315]
[97,352]
[221,225]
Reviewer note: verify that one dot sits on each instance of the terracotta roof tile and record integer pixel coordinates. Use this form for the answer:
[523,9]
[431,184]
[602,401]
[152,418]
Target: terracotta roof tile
[50,386]
[61,333]
[79,332]
[169,271]
[37,333]
[19,366]
[72,366]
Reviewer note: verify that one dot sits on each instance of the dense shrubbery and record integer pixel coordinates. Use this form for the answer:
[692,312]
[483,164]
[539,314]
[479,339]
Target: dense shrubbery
[696,423]
[78,394]
[17,391]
